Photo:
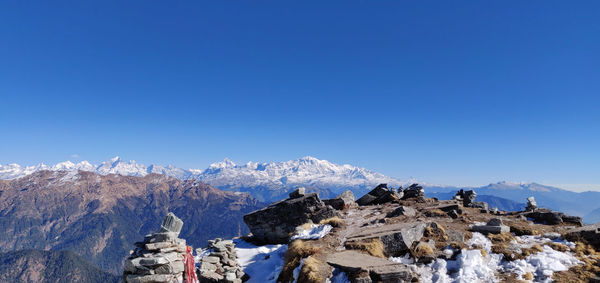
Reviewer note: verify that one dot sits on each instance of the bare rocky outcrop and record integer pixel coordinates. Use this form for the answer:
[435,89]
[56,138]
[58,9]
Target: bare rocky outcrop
[546,216]
[274,223]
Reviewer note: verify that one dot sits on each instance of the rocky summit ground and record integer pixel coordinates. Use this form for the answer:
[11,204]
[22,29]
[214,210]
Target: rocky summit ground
[392,235]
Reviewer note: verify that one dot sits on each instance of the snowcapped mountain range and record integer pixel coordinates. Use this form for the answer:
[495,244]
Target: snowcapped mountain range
[305,171]
[268,182]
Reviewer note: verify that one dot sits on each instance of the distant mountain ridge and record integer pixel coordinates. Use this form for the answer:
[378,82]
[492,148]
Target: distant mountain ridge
[268,182]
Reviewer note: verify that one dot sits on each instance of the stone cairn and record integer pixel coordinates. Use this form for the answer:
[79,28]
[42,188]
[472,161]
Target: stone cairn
[160,257]
[220,265]
[414,191]
[531,204]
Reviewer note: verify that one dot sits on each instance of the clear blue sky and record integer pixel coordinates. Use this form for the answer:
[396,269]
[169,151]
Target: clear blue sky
[453,92]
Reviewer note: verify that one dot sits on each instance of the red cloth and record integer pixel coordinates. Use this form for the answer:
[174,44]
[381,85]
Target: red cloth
[190,267]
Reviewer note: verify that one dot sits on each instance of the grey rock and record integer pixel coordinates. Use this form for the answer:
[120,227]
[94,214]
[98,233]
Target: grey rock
[298,192]
[171,223]
[403,210]
[379,195]
[469,198]
[414,191]
[154,278]
[485,229]
[361,264]
[274,223]
[588,233]
[531,204]
[546,216]
[495,222]
[343,201]
[397,238]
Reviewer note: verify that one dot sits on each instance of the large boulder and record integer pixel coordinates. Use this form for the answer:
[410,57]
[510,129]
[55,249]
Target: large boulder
[588,233]
[274,223]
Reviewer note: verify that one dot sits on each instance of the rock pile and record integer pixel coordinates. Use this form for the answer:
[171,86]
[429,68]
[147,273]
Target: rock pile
[274,223]
[220,265]
[414,191]
[379,195]
[160,257]
[531,204]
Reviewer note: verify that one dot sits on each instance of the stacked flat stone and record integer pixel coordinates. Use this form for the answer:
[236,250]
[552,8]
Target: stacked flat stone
[159,258]
[469,198]
[220,265]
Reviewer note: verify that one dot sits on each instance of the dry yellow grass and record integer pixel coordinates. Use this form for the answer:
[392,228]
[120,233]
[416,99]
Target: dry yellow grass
[501,238]
[333,221]
[438,235]
[312,271]
[457,245]
[528,276]
[373,247]
[297,250]
[558,247]
[423,250]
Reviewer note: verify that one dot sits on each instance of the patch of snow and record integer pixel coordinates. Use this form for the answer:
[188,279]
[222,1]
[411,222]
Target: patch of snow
[313,233]
[542,264]
[338,276]
[480,240]
[262,263]
[472,266]
[296,272]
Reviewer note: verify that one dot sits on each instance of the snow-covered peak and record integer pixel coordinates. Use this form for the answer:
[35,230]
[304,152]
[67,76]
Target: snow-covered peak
[305,171]
[117,166]
[226,163]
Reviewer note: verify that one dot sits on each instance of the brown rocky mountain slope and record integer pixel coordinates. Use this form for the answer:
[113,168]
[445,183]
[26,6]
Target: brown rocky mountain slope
[97,217]
[50,266]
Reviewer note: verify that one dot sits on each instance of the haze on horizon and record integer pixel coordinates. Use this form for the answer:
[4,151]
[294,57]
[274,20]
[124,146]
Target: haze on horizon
[452,94]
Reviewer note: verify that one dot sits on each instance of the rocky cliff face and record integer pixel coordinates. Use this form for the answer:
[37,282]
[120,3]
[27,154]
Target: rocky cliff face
[98,217]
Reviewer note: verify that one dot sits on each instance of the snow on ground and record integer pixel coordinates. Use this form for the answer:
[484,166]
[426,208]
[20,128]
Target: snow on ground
[543,264]
[262,263]
[296,273]
[312,233]
[472,266]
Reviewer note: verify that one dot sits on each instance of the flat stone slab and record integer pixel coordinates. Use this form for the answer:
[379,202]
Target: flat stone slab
[383,269]
[355,261]
[485,229]
[396,238]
